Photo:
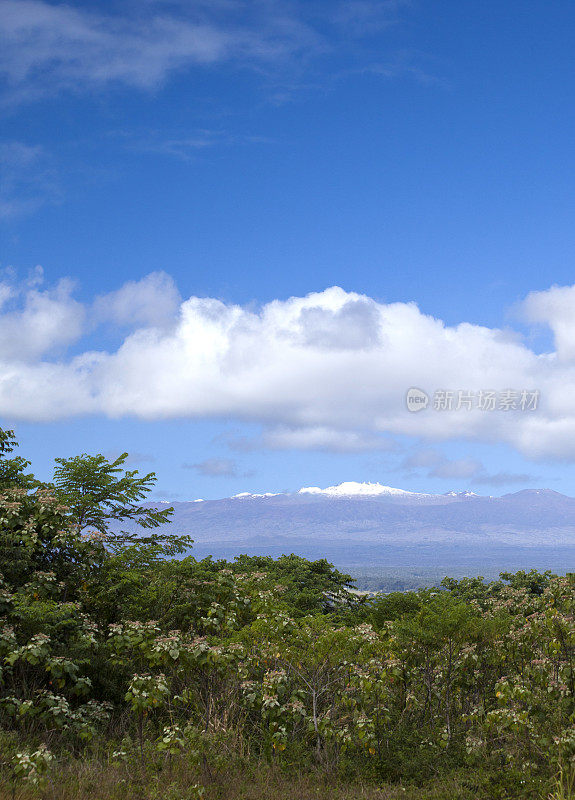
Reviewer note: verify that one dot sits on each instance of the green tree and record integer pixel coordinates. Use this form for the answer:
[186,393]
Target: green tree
[310,586]
[99,492]
[34,526]
[12,469]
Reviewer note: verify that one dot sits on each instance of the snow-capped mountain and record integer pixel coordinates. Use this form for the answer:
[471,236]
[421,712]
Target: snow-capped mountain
[244,495]
[354,489]
[370,524]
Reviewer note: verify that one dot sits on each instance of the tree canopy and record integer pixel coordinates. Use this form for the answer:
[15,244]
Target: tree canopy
[99,492]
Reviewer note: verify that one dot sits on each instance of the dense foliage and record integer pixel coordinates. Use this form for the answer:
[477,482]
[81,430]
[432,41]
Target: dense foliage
[132,653]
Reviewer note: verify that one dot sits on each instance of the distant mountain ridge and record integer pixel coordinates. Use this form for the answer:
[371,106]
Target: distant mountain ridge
[368,524]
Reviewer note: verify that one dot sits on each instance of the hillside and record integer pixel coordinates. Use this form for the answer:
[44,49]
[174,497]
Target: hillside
[380,528]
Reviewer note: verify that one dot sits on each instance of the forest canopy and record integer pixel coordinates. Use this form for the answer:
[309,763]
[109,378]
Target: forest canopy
[128,664]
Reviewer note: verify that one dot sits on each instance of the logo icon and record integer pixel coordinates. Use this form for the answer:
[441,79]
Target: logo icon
[416,399]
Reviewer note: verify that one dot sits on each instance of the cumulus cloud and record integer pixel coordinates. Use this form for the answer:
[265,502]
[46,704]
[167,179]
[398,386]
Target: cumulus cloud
[554,308]
[307,368]
[354,326]
[44,320]
[154,300]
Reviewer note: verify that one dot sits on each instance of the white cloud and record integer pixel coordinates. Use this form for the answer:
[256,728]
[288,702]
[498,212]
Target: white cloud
[49,46]
[310,369]
[153,300]
[554,307]
[45,320]
[317,438]
[354,326]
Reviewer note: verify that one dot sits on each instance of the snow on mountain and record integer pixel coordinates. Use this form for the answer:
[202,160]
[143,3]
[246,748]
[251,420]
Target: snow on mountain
[355,489]
[243,495]
[368,523]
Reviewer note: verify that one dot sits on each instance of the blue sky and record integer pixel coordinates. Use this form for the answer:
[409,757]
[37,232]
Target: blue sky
[249,153]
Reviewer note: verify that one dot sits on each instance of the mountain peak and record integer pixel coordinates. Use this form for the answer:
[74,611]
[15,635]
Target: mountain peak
[353,488]
[535,492]
[244,495]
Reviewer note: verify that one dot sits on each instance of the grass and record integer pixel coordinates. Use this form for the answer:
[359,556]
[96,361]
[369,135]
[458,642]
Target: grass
[178,780]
